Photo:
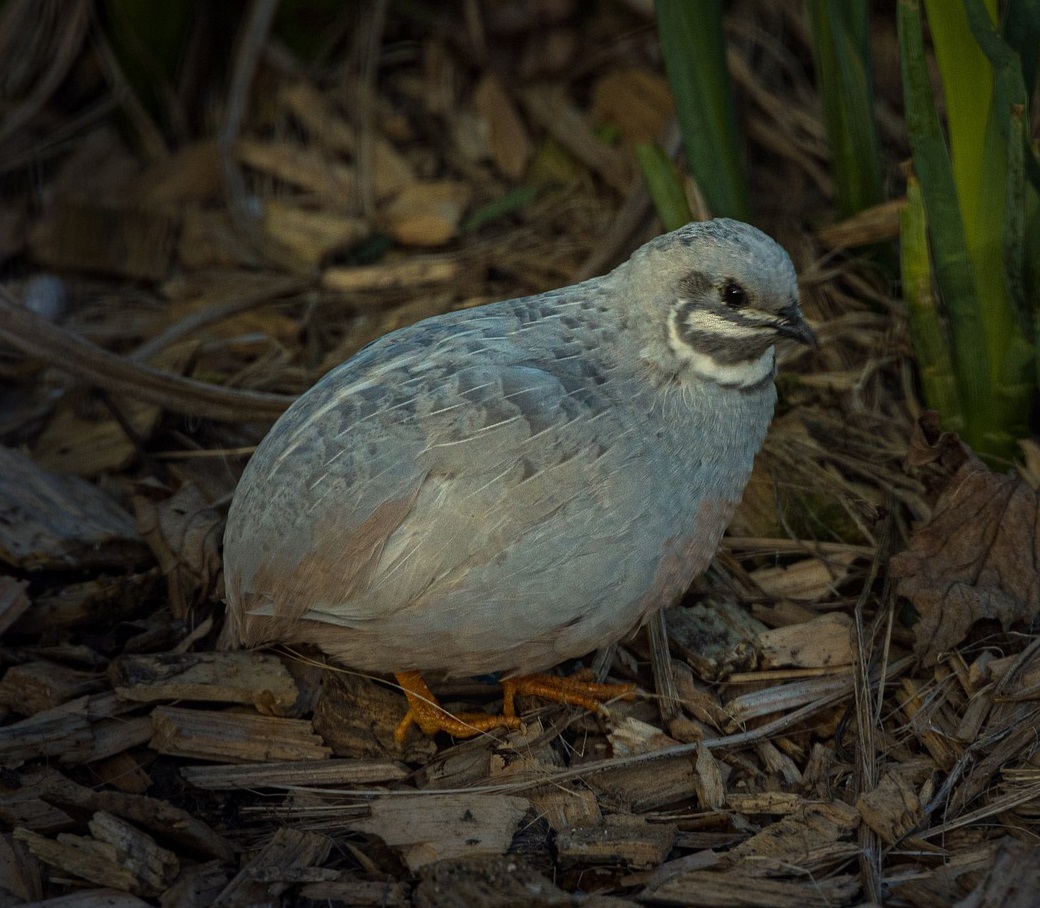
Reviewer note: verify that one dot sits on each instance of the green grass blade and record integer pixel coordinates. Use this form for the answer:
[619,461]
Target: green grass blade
[1015,224]
[984,215]
[926,329]
[1013,78]
[1031,267]
[694,50]
[665,186]
[1022,32]
[993,239]
[953,266]
[499,208]
[841,50]
[1026,277]
[1020,364]
[149,41]
[967,81]
[1008,85]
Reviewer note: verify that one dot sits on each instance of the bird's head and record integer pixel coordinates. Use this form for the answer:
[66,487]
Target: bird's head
[727,293]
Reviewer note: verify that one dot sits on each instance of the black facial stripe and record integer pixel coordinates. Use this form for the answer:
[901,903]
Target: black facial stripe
[726,350]
[698,290]
[695,284]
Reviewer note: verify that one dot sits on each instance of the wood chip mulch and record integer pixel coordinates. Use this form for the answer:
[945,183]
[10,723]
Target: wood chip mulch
[844,711]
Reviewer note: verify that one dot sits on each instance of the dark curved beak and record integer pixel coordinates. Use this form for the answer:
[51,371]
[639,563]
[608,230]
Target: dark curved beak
[792,324]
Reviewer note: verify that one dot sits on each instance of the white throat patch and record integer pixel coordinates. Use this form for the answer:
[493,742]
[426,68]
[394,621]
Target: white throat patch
[731,375]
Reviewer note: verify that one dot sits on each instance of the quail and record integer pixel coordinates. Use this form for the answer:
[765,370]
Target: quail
[503,488]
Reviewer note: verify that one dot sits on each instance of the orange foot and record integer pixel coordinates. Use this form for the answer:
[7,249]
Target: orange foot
[431,717]
[425,711]
[576,690]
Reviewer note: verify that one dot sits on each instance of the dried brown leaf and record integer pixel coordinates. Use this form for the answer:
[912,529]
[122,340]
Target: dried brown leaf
[311,235]
[976,558]
[184,532]
[635,100]
[428,213]
[508,140]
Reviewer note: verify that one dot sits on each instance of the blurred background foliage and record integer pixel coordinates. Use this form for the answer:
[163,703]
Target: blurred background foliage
[969,243]
[970,235]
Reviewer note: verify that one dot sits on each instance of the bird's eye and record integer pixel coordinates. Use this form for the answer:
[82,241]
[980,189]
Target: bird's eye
[734,296]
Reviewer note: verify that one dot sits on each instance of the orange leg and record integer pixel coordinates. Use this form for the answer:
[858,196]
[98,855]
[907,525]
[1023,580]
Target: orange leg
[577,690]
[431,717]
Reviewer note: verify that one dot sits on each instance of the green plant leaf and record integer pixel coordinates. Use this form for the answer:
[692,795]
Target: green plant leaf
[993,238]
[931,346]
[694,50]
[953,267]
[508,204]
[967,82]
[149,41]
[1022,33]
[841,51]
[665,186]
[1010,84]
[1014,224]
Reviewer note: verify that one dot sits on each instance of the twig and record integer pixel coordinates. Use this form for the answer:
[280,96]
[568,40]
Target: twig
[37,337]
